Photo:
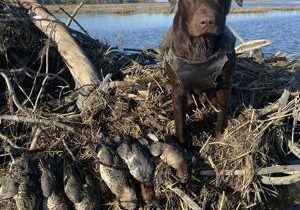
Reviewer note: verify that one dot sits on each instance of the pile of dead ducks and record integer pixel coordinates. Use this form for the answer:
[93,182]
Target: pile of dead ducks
[126,167]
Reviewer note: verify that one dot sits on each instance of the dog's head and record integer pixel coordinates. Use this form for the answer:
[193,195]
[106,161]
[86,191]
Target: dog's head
[203,17]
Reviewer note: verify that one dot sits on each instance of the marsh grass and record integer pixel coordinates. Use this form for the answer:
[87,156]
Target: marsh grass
[152,8]
[262,10]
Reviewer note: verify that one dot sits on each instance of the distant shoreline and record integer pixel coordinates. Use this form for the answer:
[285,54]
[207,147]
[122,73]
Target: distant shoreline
[150,8]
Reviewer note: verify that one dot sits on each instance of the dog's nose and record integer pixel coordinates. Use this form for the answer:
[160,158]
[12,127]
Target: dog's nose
[207,24]
[205,20]
[206,16]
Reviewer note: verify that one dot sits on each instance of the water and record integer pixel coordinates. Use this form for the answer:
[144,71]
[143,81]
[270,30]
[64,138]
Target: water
[269,3]
[144,31]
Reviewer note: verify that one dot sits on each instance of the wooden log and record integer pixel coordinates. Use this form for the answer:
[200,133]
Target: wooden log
[286,180]
[247,47]
[259,172]
[82,70]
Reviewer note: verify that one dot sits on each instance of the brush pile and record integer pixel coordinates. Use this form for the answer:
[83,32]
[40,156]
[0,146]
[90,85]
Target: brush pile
[47,136]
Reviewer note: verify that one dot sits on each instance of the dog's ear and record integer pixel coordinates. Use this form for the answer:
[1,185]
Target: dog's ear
[239,2]
[172,4]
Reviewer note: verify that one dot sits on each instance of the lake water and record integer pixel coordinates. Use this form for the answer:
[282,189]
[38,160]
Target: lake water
[269,3]
[144,31]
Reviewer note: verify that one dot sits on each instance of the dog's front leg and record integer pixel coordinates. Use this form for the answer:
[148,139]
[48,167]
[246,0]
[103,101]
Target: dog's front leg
[179,104]
[223,96]
[222,104]
[179,99]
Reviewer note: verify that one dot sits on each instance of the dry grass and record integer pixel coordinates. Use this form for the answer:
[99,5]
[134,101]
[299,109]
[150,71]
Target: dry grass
[141,105]
[115,8]
[262,10]
[152,8]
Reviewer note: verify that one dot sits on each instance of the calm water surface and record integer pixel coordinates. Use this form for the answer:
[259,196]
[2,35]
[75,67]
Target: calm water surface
[270,3]
[143,31]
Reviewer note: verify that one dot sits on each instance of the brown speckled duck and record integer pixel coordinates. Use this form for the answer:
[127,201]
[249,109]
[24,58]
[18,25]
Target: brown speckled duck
[140,164]
[79,187]
[21,184]
[52,186]
[173,156]
[116,178]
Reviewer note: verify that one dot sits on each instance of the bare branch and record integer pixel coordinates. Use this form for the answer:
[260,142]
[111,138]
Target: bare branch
[37,121]
[286,180]
[262,171]
[74,13]
[11,91]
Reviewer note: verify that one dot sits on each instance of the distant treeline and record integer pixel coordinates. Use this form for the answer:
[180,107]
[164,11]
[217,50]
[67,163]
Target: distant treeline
[93,1]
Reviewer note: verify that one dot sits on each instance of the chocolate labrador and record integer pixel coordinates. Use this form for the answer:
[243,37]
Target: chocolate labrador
[199,58]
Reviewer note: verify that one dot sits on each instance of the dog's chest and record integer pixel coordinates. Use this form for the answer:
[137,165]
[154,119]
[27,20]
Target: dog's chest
[198,75]
[202,75]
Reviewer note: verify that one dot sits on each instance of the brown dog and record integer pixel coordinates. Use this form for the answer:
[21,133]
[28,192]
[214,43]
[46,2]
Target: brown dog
[199,57]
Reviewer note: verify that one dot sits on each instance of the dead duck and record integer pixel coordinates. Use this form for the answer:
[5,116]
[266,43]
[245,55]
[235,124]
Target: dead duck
[141,166]
[21,184]
[116,178]
[173,156]
[54,197]
[79,187]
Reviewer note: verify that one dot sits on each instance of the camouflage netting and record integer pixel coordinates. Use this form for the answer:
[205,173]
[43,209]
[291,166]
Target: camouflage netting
[39,117]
